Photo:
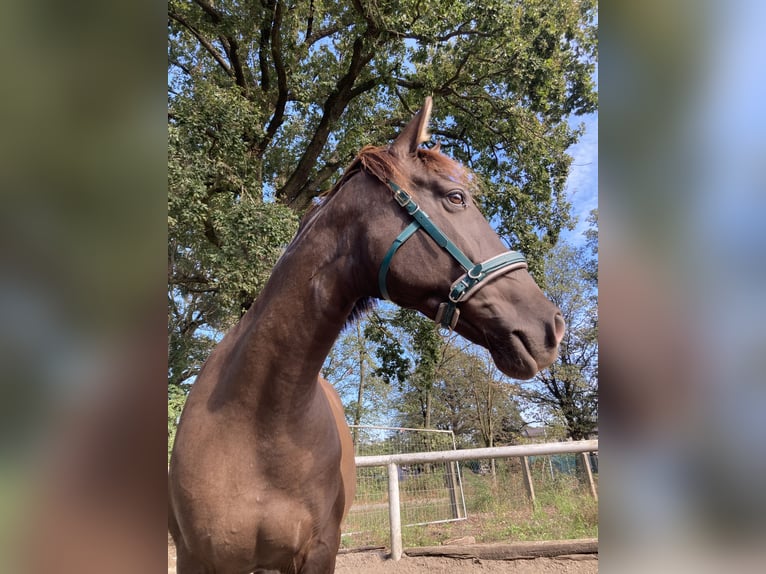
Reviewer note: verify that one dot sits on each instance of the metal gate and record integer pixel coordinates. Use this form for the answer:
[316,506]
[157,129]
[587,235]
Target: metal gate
[429,492]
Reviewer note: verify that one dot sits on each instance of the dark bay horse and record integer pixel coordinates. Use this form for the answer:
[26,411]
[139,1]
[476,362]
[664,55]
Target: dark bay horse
[262,471]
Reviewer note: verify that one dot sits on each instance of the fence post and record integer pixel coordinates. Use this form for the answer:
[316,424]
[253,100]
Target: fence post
[452,488]
[527,474]
[394,512]
[589,473]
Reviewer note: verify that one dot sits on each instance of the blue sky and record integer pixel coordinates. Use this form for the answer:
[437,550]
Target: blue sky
[582,183]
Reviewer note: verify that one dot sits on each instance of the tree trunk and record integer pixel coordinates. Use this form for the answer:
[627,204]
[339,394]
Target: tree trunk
[427,421]
[360,393]
[492,466]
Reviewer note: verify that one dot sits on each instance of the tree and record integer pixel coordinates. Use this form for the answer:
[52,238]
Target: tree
[410,350]
[351,366]
[268,100]
[475,400]
[568,390]
[446,384]
[294,90]
[497,413]
[591,243]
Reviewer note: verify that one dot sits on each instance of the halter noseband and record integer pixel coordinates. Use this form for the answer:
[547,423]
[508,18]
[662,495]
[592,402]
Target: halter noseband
[476,274]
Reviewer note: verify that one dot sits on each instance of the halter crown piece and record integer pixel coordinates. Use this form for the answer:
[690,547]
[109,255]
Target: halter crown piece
[476,274]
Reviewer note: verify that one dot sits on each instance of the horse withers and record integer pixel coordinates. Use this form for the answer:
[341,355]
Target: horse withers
[262,470]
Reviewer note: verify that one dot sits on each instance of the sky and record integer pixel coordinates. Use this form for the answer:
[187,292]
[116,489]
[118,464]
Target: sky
[582,183]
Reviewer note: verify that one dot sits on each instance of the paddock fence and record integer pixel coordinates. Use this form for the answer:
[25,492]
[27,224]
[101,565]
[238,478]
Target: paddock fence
[391,466]
[430,493]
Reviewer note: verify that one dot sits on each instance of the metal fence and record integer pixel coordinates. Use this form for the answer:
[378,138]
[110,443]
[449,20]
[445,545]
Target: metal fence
[393,462]
[430,492]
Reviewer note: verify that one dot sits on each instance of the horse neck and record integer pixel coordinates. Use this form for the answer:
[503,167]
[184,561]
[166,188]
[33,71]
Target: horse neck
[285,337]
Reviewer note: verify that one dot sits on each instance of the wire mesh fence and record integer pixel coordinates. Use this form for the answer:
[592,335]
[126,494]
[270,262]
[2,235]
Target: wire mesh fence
[429,493]
[499,505]
[437,499]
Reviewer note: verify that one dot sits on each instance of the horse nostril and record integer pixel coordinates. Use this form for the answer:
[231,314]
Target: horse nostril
[559,326]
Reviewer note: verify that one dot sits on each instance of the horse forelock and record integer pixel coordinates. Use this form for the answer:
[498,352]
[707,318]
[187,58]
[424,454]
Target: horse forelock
[384,166]
[447,167]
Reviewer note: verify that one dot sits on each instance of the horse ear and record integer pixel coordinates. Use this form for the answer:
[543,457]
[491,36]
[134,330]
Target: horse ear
[415,133]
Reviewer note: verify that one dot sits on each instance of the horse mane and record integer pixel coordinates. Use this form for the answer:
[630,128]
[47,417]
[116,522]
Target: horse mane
[381,163]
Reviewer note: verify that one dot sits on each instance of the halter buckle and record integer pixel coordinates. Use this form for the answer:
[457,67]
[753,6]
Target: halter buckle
[402,197]
[446,319]
[458,289]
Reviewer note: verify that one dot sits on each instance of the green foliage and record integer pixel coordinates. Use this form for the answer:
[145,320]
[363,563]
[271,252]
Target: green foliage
[300,89]
[408,348]
[394,365]
[176,399]
[474,399]
[567,392]
[351,366]
[440,385]
[591,242]
[426,345]
[268,102]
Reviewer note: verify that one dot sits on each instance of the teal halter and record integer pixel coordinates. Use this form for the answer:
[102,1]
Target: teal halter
[476,275]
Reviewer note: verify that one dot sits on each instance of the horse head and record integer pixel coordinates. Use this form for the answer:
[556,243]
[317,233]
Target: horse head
[431,249]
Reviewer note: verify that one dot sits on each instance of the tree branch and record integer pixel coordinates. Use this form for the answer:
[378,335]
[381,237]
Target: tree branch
[189,280]
[294,191]
[232,50]
[310,22]
[204,41]
[200,289]
[324,33]
[325,173]
[229,43]
[282,92]
[409,84]
[263,50]
[445,37]
[363,87]
[366,14]
[174,62]
[214,14]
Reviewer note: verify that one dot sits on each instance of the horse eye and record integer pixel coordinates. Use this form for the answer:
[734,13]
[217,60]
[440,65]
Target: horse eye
[456,198]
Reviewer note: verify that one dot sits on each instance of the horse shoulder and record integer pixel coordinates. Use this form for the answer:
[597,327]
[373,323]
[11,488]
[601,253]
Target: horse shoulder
[347,464]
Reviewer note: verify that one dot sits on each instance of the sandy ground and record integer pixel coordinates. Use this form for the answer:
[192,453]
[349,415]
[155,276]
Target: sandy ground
[379,563]
[373,563]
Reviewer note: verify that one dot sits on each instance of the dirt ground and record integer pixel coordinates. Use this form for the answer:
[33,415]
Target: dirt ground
[374,563]
[377,562]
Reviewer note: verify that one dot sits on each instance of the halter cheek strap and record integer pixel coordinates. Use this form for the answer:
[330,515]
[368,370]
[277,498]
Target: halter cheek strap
[476,275]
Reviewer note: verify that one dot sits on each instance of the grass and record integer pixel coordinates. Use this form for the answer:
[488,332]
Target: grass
[564,508]
[14,501]
[499,510]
